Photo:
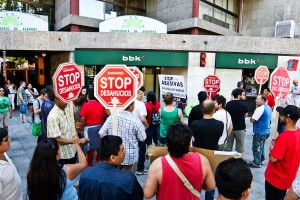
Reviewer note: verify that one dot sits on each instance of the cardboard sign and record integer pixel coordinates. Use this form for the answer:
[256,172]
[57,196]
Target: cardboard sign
[214,157]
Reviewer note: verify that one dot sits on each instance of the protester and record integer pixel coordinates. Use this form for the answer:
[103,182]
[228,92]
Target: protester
[37,107]
[270,98]
[233,179]
[47,179]
[92,114]
[78,103]
[196,112]
[59,126]
[131,130]
[162,180]
[240,85]
[10,181]
[31,93]
[294,191]
[284,155]
[288,100]
[105,180]
[222,115]
[46,107]
[238,111]
[261,120]
[207,133]
[153,130]
[169,115]
[84,93]
[11,94]
[295,91]
[22,102]
[5,109]
[140,113]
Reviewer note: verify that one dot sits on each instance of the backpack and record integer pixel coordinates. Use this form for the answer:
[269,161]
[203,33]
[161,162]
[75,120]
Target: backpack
[155,118]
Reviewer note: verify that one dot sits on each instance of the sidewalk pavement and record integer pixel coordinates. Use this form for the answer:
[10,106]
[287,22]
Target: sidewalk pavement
[23,145]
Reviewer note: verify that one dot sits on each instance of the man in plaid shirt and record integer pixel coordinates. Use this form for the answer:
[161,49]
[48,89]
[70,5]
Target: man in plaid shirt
[131,130]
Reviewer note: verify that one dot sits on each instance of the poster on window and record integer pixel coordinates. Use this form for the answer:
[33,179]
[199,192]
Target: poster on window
[174,84]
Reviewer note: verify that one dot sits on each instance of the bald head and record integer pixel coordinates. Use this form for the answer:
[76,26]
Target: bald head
[208,107]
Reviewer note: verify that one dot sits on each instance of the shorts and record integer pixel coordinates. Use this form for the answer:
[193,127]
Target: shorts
[4,119]
[23,109]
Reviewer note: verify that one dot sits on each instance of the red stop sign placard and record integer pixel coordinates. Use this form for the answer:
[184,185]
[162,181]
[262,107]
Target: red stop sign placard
[115,81]
[261,75]
[67,82]
[280,83]
[212,83]
[139,75]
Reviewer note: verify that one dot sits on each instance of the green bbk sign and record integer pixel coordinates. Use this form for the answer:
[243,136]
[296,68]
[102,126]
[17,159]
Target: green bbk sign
[131,58]
[245,61]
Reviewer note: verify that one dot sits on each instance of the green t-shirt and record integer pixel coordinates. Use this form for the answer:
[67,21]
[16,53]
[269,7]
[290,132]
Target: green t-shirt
[4,104]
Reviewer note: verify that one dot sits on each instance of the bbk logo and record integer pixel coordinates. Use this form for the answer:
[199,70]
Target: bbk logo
[132,58]
[246,61]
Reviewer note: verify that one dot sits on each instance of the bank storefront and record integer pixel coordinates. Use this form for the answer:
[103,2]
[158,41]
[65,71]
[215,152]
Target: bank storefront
[231,68]
[151,63]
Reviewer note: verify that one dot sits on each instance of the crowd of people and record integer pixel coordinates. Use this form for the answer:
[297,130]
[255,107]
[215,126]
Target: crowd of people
[107,163]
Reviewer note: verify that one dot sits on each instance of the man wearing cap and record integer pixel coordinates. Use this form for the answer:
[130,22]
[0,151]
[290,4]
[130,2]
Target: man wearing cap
[284,155]
[261,128]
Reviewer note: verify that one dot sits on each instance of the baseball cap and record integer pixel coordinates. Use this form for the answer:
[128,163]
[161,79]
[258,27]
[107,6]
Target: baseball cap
[291,111]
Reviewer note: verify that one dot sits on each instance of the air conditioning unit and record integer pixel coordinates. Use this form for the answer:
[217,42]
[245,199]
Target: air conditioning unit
[285,29]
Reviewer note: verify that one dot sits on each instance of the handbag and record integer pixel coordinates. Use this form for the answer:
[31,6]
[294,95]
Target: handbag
[186,182]
[36,129]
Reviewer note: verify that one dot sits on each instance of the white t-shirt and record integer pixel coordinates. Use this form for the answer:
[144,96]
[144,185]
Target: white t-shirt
[10,181]
[139,109]
[221,116]
[296,89]
[30,95]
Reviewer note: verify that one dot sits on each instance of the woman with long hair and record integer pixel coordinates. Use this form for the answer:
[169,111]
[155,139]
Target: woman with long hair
[84,93]
[169,115]
[11,95]
[47,179]
[152,131]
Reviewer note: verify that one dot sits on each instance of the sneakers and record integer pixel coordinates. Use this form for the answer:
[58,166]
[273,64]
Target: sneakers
[253,165]
[141,172]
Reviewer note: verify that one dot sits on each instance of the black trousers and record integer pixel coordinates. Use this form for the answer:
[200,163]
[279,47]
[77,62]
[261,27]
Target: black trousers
[273,193]
[142,153]
[68,161]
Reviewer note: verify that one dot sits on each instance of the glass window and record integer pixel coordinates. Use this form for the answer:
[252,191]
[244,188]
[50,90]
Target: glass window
[136,3]
[233,6]
[205,9]
[232,22]
[221,3]
[220,15]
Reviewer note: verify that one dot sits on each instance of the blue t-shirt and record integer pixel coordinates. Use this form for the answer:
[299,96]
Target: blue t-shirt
[106,182]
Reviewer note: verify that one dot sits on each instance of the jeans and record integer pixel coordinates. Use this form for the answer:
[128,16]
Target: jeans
[152,132]
[258,145]
[273,193]
[142,153]
[239,136]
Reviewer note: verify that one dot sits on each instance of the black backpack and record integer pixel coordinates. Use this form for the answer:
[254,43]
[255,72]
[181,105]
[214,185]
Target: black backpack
[155,118]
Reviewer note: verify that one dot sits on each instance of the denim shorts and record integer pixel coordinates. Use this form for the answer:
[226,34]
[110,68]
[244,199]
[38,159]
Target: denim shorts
[23,109]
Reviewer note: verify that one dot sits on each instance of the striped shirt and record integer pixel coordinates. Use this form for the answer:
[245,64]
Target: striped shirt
[59,125]
[131,130]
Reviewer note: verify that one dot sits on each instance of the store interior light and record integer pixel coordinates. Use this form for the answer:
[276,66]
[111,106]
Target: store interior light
[44,54]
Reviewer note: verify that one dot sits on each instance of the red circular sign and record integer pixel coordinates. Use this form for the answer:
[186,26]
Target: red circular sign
[115,83]
[212,83]
[67,81]
[261,75]
[139,75]
[280,83]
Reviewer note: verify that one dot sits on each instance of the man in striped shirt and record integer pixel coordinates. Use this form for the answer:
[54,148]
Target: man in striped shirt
[59,127]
